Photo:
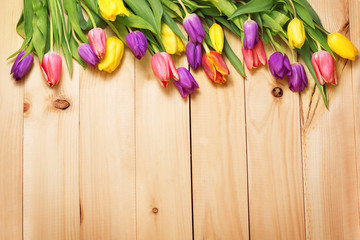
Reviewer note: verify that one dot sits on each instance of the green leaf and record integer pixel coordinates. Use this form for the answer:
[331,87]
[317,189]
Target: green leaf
[235,61]
[173,7]
[158,12]
[303,13]
[73,17]
[271,23]
[28,17]
[253,6]
[20,26]
[74,51]
[311,11]
[306,55]
[40,22]
[87,25]
[279,17]
[65,43]
[134,21]
[171,23]
[319,36]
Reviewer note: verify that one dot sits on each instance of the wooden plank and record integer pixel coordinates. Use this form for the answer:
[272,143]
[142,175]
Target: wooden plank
[354,19]
[51,166]
[163,181]
[274,158]
[219,157]
[330,175]
[107,153]
[11,127]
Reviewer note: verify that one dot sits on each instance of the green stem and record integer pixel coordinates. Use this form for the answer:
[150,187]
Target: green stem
[156,49]
[321,29]
[51,35]
[318,45]
[74,35]
[87,10]
[207,50]
[112,26]
[293,7]
[183,7]
[129,29]
[291,49]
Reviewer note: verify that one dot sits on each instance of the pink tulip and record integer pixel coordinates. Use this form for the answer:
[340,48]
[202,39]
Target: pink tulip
[253,57]
[164,68]
[324,66]
[51,68]
[97,40]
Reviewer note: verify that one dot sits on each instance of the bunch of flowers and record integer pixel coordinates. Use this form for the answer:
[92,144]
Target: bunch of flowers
[153,25]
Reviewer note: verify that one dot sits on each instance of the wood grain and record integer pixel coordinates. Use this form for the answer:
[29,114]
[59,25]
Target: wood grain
[107,153]
[219,157]
[274,158]
[11,127]
[163,182]
[330,175]
[51,151]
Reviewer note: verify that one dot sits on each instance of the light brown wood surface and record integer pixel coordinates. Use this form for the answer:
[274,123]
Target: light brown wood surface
[130,160]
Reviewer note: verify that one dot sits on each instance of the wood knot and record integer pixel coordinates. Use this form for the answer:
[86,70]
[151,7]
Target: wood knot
[61,104]
[277,92]
[26,106]
[155,210]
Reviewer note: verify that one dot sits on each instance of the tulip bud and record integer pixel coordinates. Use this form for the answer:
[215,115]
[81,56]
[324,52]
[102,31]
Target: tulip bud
[137,43]
[51,68]
[87,55]
[109,9]
[251,32]
[297,79]
[193,27]
[164,68]
[194,54]
[97,40]
[20,68]
[342,46]
[253,57]
[113,55]
[215,67]
[279,65]
[296,33]
[325,68]
[216,34]
[186,84]
[172,42]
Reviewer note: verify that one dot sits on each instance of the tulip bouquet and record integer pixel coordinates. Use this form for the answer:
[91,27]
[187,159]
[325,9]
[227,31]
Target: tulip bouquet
[75,27]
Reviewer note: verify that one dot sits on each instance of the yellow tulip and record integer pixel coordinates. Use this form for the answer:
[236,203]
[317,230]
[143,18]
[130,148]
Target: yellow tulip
[113,55]
[109,9]
[216,34]
[172,42]
[342,46]
[296,33]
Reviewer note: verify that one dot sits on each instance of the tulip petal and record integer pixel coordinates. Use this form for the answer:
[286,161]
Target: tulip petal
[170,65]
[249,58]
[219,63]
[260,52]
[208,67]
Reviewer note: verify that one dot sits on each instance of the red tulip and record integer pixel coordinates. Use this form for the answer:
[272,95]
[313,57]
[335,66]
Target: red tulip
[97,40]
[164,68]
[324,66]
[215,67]
[253,57]
[51,68]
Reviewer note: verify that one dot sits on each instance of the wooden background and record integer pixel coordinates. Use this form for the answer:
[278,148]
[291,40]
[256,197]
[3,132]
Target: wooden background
[131,160]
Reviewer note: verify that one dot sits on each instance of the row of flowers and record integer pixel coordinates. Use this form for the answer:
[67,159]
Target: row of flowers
[106,53]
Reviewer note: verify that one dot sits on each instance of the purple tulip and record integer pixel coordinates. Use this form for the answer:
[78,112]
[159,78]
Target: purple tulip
[137,43]
[297,79]
[20,68]
[88,55]
[279,65]
[194,54]
[251,31]
[186,84]
[194,28]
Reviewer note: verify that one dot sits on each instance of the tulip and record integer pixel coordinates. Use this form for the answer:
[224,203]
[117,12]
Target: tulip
[342,46]
[253,57]
[109,9]
[193,27]
[20,68]
[172,42]
[164,68]
[87,55]
[279,65]
[186,84]
[251,32]
[137,43]
[215,67]
[324,66]
[97,40]
[194,54]
[296,33]
[216,34]
[113,55]
[297,79]
[51,68]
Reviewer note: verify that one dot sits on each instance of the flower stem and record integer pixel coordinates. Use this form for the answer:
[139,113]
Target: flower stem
[291,49]
[318,45]
[74,35]
[207,50]
[156,49]
[183,7]
[129,29]
[51,35]
[293,7]
[87,10]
